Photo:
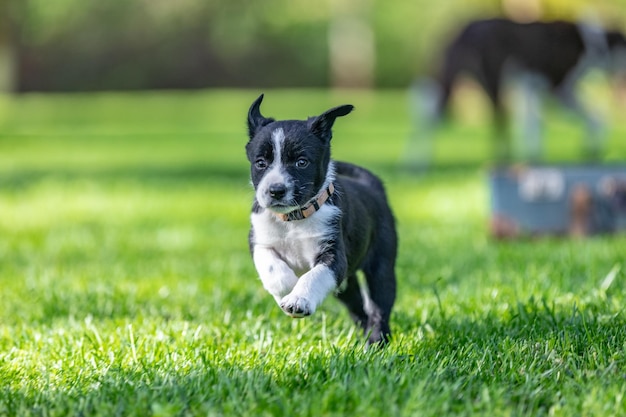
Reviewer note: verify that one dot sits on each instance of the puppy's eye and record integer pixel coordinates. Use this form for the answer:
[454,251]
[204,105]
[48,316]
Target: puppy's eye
[260,163]
[302,163]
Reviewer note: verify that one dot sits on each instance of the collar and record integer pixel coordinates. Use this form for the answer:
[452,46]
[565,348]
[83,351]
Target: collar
[311,207]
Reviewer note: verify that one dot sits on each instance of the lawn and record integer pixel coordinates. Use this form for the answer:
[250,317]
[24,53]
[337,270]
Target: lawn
[126,286]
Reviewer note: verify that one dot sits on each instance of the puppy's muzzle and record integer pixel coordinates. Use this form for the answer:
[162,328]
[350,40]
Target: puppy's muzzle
[277,190]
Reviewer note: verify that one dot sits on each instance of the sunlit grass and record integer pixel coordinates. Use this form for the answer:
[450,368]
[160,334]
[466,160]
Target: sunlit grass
[126,287]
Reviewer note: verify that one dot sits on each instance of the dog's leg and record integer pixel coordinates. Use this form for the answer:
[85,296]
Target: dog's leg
[424,95]
[278,279]
[381,282]
[501,136]
[528,114]
[311,289]
[594,126]
[352,298]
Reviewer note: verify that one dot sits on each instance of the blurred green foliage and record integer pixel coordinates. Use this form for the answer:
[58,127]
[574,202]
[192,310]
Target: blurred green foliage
[84,45]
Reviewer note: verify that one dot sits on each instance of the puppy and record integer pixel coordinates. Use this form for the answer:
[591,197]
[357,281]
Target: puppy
[315,222]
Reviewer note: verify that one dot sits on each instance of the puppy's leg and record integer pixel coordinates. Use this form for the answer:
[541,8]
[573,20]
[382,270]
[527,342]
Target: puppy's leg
[311,289]
[352,297]
[381,282]
[278,279]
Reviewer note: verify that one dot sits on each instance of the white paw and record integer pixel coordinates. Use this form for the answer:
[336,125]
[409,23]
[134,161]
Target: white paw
[296,307]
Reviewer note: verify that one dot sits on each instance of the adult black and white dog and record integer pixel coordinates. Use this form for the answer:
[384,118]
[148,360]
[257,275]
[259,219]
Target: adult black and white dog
[316,222]
[541,56]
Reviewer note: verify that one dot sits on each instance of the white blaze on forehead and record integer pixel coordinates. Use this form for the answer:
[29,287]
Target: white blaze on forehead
[278,139]
[276,173]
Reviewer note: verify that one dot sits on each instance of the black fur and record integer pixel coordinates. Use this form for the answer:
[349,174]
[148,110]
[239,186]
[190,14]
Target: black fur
[370,242]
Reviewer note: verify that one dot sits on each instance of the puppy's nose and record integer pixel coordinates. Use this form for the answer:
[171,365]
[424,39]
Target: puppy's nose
[277,190]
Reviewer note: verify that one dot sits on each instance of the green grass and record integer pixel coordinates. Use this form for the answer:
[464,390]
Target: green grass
[126,287]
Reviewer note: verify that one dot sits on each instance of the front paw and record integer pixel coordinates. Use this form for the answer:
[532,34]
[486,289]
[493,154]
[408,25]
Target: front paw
[296,307]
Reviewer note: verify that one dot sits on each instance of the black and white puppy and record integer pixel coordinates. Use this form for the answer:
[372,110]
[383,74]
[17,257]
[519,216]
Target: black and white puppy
[316,222]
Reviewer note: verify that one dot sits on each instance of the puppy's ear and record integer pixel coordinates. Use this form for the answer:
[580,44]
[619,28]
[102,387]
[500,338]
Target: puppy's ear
[255,118]
[321,125]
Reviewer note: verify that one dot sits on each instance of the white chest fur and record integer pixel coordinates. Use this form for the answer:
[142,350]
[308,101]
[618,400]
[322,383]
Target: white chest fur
[296,242]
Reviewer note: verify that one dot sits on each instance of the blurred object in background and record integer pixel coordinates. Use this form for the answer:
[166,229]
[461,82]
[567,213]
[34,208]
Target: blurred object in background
[522,11]
[424,95]
[73,45]
[572,201]
[78,45]
[536,58]
[351,44]
[8,71]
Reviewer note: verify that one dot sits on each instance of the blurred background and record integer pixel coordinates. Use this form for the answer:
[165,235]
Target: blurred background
[79,45]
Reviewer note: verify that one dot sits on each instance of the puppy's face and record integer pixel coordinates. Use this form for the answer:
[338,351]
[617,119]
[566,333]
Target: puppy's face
[288,165]
[289,159]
